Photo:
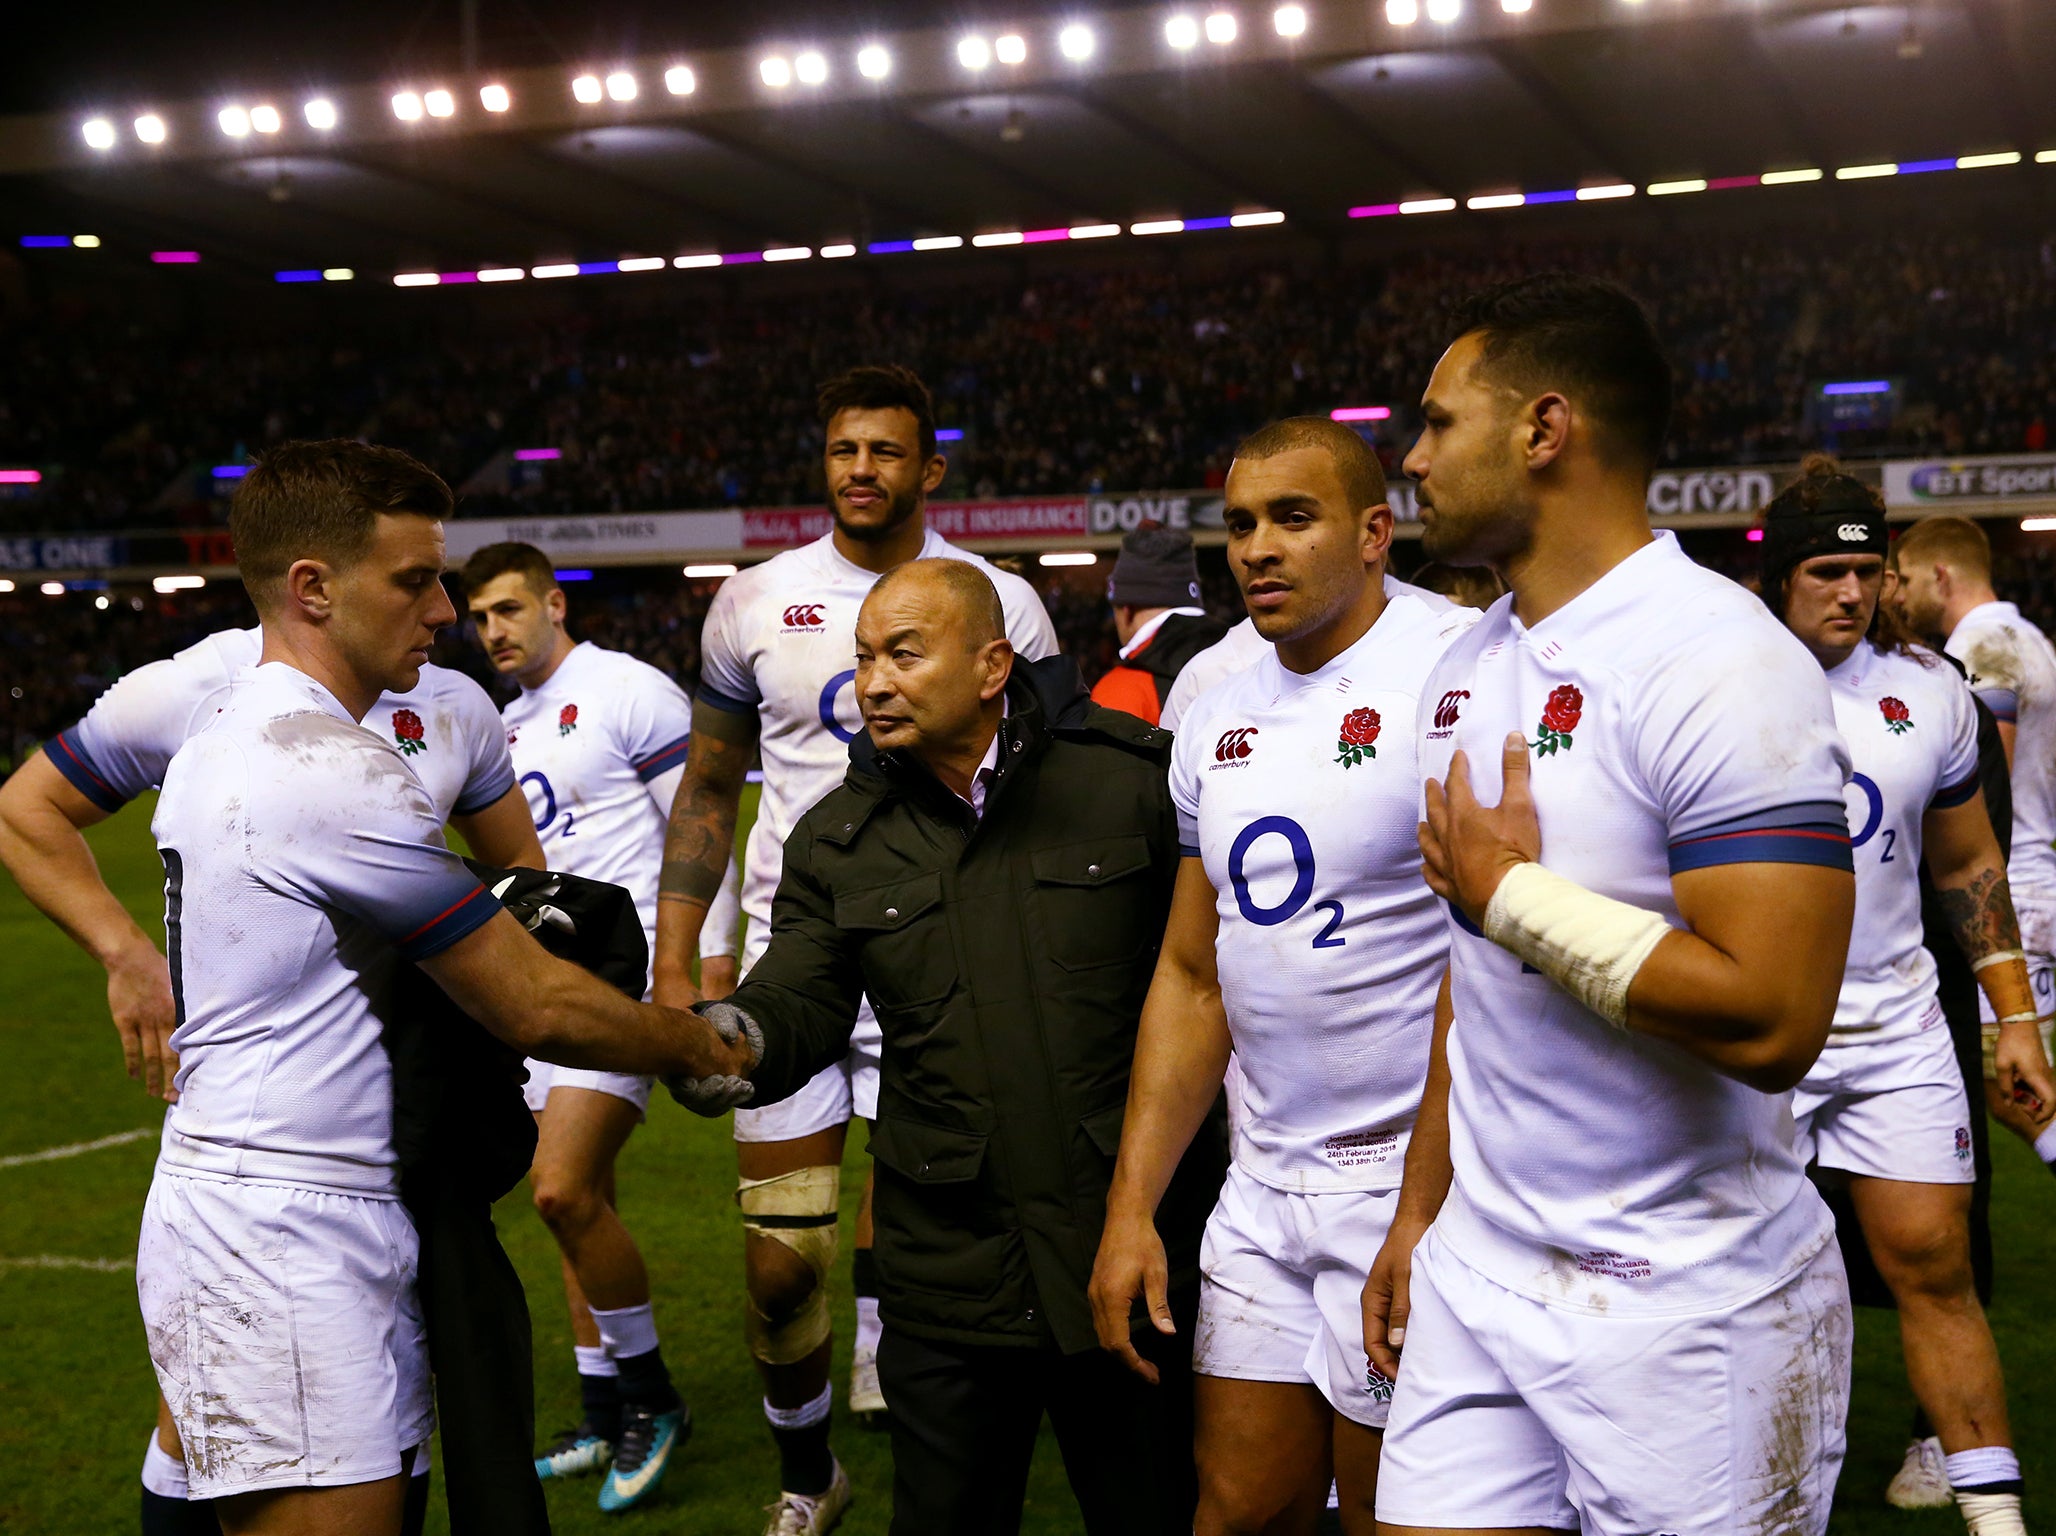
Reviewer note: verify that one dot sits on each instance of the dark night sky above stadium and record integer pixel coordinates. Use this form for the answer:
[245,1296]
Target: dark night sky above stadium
[60,57]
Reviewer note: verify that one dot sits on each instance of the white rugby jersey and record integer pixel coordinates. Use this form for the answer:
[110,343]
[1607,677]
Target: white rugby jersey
[1301,792]
[1911,731]
[1242,647]
[780,639]
[2013,669]
[303,863]
[1674,725]
[588,745]
[446,727]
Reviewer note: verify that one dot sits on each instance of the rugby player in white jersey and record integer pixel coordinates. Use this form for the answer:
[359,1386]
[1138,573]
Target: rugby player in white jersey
[778,661]
[1885,1103]
[1620,1300]
[446,728]
[304,862]
[1301,936]
[599,740]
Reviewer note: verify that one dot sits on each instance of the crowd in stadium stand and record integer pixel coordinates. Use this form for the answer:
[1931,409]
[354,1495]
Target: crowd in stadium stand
[663,397]
[63,651]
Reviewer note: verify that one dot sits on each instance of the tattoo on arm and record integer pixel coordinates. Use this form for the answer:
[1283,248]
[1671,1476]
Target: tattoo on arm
[1980,914]
[701,837]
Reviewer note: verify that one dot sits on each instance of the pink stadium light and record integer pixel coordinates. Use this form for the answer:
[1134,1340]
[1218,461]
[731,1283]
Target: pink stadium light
[1373,210]
[21,477]
[537,455]
[1754,535]
[1361,413]
[176,258]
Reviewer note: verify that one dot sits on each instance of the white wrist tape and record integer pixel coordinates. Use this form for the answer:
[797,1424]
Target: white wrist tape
[1588,944]
[1997,957]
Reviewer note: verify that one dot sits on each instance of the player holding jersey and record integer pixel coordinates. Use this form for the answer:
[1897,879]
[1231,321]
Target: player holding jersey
[1302,936]
[778,662]
[1605,1245]
[304,863]
[1885,1102]
[118,751]
[599,739]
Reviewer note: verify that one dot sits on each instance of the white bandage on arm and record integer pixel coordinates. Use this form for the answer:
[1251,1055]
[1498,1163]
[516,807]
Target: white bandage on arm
[1588,944]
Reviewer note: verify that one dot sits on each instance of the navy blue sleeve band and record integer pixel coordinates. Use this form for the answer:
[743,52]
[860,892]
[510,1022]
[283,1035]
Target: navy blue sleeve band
[2004,703]
[663,760]
[479,794]
[462,917]
[1822,843]
[1956,794]
[715,698]
[69,757]
[1187,851]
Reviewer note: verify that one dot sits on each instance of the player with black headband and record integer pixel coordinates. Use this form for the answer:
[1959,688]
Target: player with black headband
[1885,1102]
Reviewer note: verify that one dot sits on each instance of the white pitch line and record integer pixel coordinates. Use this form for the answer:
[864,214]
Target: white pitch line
[63,1261]
[77,1148]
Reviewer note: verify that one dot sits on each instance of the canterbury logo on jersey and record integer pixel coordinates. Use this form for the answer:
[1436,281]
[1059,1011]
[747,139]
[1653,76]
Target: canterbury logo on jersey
[805,616]
[1447,711]
[1234,745]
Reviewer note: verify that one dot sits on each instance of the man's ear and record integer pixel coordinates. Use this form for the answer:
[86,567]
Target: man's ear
[997,657]
[310,589]
[1377,532]
[555,606]
[931,477]
[1546,429]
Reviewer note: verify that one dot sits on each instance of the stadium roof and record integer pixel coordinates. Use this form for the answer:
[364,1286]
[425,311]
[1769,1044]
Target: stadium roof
[1357,112]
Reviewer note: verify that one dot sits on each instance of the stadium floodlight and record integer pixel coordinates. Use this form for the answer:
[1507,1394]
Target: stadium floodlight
[440,103]
[2045,157]
[705,259]
[1674,188]
[1255,220]
[1495,200]
[235,122]
[1983,162]
[150,128]
[873,62]
[555,269]
[265,119]
[1428,205]
[168,584]
[98,133]
[776,73]
[1790,178]
[1867,172]
[621,86]
[1156,227]
[2038,524]
[416,279]
[320,114]
[1606,193]
[642,264]
[1010,49]
[1289,21]
[407,107]
[709,572]
[495,98]
[1093,231]
[938,242]
[1076,42]
[811,68]
[1181,32]
[52,589]
[836,252]
[6,585]
[788,253]
[679,80]
[1516,7]
[587,89]
[1220,28]
[338,275]
[1402,13]
[86,242]
[998,237]
[1061,557]
[500,274]
[974,52]
[1443,12]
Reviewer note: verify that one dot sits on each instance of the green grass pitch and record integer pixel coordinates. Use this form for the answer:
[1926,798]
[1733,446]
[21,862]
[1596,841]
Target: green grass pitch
[76,1392]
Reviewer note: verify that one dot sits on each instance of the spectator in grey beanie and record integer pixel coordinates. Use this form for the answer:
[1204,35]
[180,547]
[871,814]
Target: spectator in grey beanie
[1158,617]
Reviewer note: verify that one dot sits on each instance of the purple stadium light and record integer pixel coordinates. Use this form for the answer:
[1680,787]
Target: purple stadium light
[230,471]
[737,258]
[949,434]
[1361,413]
[573,575]
[299,275]
[45,242]
[176,258]
[894,247]
[537,455]
[1859,387]
[1038,236]
[1373,210]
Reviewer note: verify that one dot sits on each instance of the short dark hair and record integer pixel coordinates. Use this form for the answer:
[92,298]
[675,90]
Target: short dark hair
[321,501]
[1362,476]
[496,560]
[869,387]
[1586,336]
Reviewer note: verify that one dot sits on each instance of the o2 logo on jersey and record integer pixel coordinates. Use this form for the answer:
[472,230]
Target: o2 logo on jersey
[1873,817]
[1235,745]
[830,697]
[805,616]
[1302,879]
[1447,711]
[548,808]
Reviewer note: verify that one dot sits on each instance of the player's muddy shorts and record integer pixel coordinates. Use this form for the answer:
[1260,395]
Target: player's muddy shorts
[1509,1412]
[285,1331]
[1890,1109]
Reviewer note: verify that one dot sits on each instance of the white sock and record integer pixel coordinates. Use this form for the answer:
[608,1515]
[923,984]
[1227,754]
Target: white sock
[1993,1509]
[627,1331]
[593,1360]
[2045,1145]
[1982,1466]
[1992,1514]
[868,1326]
[805,1415]
[163,1474]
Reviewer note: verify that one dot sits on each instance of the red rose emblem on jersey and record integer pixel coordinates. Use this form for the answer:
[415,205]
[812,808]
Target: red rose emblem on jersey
[407,732]
[1898,718]
[1359,732]
[1560,716]
[567,719]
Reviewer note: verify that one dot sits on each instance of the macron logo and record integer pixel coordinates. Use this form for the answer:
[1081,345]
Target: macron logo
[805,616]
[1234,745]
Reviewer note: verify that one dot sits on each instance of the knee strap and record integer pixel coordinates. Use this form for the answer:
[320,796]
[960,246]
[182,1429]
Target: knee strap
[798,1210]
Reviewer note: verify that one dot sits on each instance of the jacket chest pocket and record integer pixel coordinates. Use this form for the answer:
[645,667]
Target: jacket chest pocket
[903,929]
[1095,910]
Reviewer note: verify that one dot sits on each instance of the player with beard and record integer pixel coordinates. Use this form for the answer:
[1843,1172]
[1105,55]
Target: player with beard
[1605,1244]
[777,674]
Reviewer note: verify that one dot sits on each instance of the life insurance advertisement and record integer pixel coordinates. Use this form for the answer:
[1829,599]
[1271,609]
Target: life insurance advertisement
[1941,483]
